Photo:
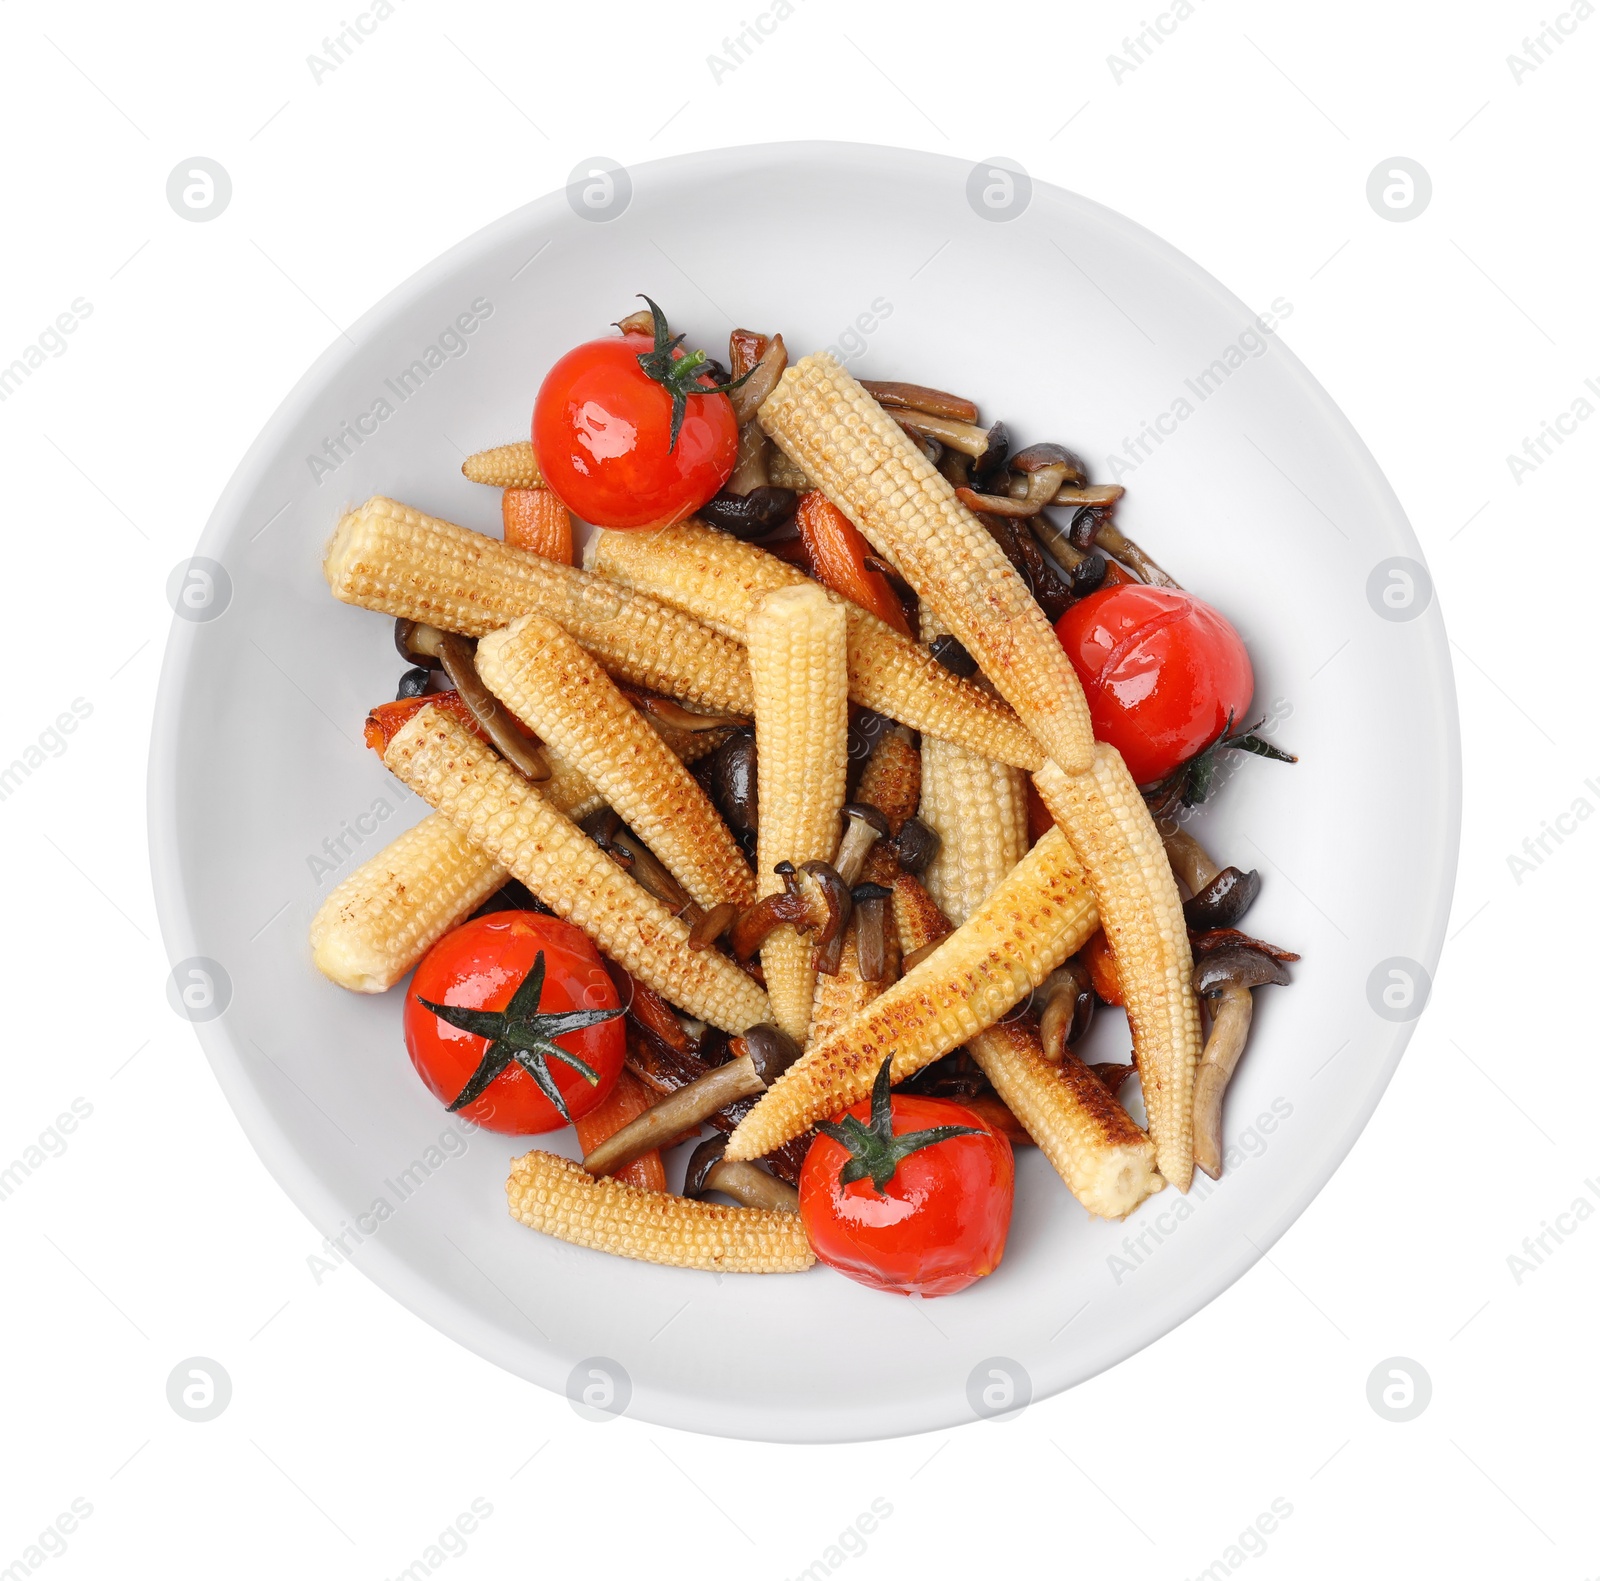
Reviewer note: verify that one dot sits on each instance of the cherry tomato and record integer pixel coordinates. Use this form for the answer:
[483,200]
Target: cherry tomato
[481,966]
[602,430]
[940,1221]
[1162,671]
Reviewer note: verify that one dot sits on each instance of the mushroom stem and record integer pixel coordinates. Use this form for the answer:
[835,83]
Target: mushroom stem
[645,869]
[1190,860]
[1068,1008]
[865,826]
[671,712]
[676,1113]
[712,926]
[1232,1007]
[894,396]
[814,899]
[1114,541]
[871,905]
[748,1184]
[1040,491]
[968,438]
[1218,896]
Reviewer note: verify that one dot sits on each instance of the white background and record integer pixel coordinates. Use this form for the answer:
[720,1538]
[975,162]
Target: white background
[355,1435]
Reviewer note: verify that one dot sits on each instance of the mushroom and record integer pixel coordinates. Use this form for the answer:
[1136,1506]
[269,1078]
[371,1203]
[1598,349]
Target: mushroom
[758,361]
[1114,541]
[748,1184]
[678,1112]
[916,845]
[864,827]
[454,655]
[671,713]
[1220,896]
[1224,979]
[1044,469]
[871,906]
[1069,1001]
[733,783]
[986,446]
[640,323]
[1097,495]
[772,1049]
[414,683]
[947,650]
[704,933]
[644,867]
[1112,1077]
[814,899]
[750,515]
[894,396]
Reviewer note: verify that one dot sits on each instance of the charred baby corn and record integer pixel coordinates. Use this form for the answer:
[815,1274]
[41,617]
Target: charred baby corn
[720,580]
[554,686]
[839,995]
[1039,915]
[797,668]
[862,460]
[506,817]
[390,558]
[505,467]
[1112,831]
[560,1198]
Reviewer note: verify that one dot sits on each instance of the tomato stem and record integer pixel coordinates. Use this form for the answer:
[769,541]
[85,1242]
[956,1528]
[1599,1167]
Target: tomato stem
[875,1151]
[678,373]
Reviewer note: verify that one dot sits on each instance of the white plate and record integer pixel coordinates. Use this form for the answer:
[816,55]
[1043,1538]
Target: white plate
[1072,323]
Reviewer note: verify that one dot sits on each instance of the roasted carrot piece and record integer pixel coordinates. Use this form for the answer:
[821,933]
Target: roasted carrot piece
[384,721]
[839,558]
[535,519]
[1102,966]
[624,1104]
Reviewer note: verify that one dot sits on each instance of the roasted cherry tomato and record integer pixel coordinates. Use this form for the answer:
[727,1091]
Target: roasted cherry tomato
[630,433]
[1163,673]
[916,1198]
[513,1021]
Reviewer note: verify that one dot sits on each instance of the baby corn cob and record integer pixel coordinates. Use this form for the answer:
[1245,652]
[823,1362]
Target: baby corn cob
[862,460]
[1108,1163]
[891,778]
[802,713]
[381,920]
[560,1198]
[554,686]
[504,814]
[1039,915]
[1112,831]
[390,558]
[505,467]
[979,809]
[839,995]
[782,473]
[720,580]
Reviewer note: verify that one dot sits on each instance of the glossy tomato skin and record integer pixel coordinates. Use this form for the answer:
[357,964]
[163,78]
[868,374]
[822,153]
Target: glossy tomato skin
[480,966]
[1162,671]
[941,1222]
[601,427]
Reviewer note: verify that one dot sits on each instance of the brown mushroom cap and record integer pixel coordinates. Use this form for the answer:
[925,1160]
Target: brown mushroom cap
[1238,967]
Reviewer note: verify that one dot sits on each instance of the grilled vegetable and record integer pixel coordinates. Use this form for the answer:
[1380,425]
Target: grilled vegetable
[510,466]
[626,1102]
[858,456]
[797,668]
[1039,915]
[891,778]
[1224,979]
[840,994]
[720,581]
[546,679]
[536,520]
[1137,896]
[390,558]
[560,1198]
[839,554]
[508,818]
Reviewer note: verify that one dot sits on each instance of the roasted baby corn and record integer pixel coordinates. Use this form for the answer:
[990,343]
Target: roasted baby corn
[839,995]
[555,687]
[1108,1163]
[862,460]
[560,1198]
[979,809]
[797,668]
[891,778]
[720,580]
[1039,915]
[1112,831]
[505,467]
[505,815]
[388,557]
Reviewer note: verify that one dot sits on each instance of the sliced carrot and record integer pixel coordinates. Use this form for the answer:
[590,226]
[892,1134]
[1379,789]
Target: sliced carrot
[384,721]
[1102,966]
[624,1104]
[535,519]
[839,555]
